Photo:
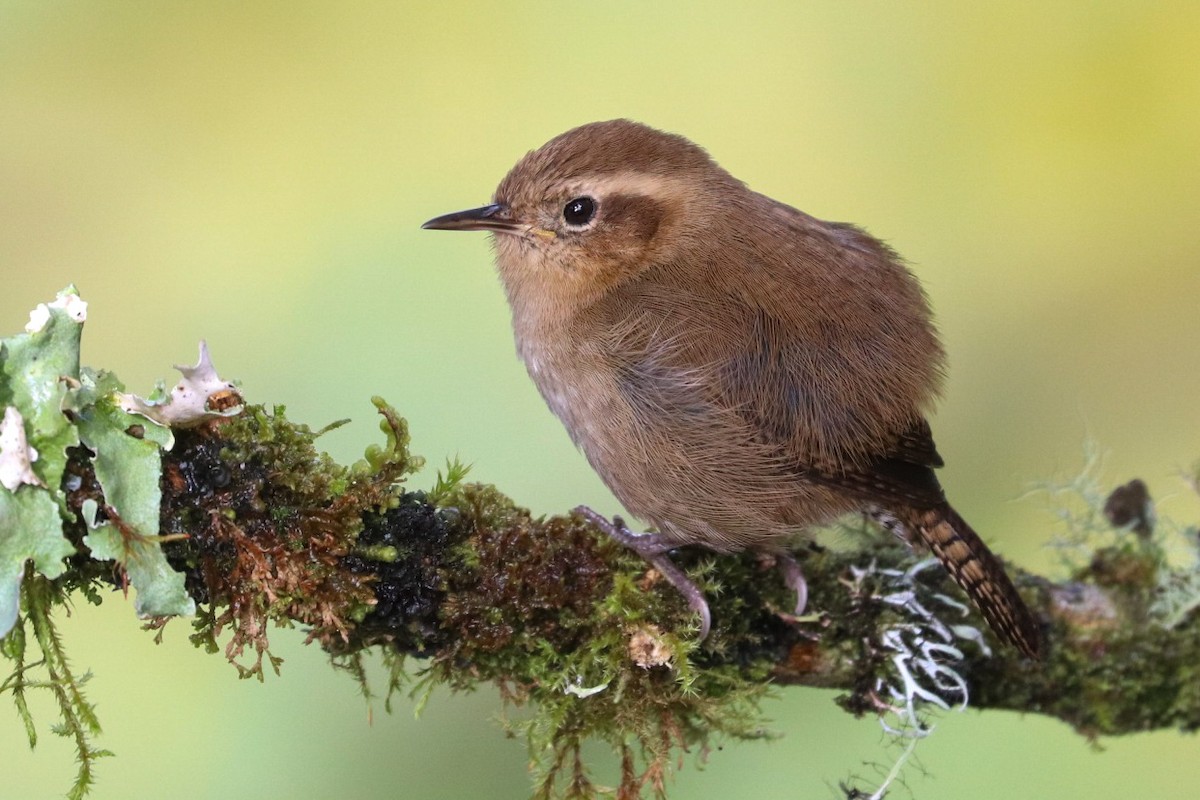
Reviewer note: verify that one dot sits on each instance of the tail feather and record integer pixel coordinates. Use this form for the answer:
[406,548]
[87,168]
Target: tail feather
[980,574]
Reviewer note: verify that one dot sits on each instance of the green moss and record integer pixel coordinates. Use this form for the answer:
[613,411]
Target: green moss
[268,522]
[536,607]
[272,532]
[1117,686]
[77,717]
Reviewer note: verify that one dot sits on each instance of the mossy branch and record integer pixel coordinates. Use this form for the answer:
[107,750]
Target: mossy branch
[459,586]
[558,616]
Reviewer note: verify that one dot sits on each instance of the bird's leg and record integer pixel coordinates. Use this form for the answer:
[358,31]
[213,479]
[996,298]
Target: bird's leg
[655,549]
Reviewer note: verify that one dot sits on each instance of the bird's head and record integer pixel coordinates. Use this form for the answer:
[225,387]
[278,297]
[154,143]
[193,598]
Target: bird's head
[593,208]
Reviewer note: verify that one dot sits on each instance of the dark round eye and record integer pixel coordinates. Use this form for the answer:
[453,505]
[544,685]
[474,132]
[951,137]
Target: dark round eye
[579,211]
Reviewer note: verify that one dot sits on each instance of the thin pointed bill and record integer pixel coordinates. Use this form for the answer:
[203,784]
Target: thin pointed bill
[495,217]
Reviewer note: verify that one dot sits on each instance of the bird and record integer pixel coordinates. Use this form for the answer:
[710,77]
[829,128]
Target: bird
[736,371]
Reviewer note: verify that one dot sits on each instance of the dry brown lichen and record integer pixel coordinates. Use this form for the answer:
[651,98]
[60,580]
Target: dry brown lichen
[647,647]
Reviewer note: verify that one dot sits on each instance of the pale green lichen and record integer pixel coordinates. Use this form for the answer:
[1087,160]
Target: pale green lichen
[128,465]
[51,407]
[37,369]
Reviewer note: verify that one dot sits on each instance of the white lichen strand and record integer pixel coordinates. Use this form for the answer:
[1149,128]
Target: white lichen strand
[1078,504]
[924,647]
[577,688]
[16,454]
[189,403]
[1177,595]
[924,658]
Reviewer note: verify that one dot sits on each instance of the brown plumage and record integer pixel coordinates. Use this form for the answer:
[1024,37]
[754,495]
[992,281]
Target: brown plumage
[734,369]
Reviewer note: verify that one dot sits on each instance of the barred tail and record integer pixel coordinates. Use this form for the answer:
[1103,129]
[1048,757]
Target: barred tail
[980,574]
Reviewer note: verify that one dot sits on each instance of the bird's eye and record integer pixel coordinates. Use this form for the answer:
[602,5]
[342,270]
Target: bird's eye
[579,211]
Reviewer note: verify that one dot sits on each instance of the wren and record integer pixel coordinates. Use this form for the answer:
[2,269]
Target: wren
[734,369]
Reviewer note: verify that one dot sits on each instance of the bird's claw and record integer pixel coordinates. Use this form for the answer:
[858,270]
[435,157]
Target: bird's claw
[654,548]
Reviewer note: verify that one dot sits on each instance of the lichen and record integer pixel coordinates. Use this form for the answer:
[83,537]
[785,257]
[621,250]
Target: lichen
[1119,661]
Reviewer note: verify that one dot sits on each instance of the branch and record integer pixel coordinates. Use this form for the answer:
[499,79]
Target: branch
[460,586]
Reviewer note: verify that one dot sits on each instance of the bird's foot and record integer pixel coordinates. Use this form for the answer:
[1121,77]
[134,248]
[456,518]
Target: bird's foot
[793,576]
[655,549]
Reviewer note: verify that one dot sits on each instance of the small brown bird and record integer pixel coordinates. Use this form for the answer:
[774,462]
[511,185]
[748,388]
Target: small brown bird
[734,369]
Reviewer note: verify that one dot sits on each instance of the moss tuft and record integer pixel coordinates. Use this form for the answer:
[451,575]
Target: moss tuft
[536,607]
[267,523]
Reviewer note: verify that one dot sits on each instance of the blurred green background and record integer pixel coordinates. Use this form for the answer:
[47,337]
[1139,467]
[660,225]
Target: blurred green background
[255,174]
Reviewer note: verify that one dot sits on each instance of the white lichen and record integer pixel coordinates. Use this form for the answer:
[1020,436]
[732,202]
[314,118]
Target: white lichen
[201,395]
[924,656]
[1078,504]
[67,300]
[16,454]
[577,688]
[1177,595]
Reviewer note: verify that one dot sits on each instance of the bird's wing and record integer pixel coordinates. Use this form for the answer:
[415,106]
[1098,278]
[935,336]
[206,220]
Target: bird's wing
[805,338]
[798,401]
[901,479]
[838,398]
[835,359]
[740,387]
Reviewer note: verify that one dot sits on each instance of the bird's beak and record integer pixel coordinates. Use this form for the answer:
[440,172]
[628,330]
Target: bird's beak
[495,217]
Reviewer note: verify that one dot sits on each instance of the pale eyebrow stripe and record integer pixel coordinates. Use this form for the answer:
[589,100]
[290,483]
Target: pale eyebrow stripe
[639,183]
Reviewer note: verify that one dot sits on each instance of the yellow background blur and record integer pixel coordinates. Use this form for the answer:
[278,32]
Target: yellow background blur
[255,174]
